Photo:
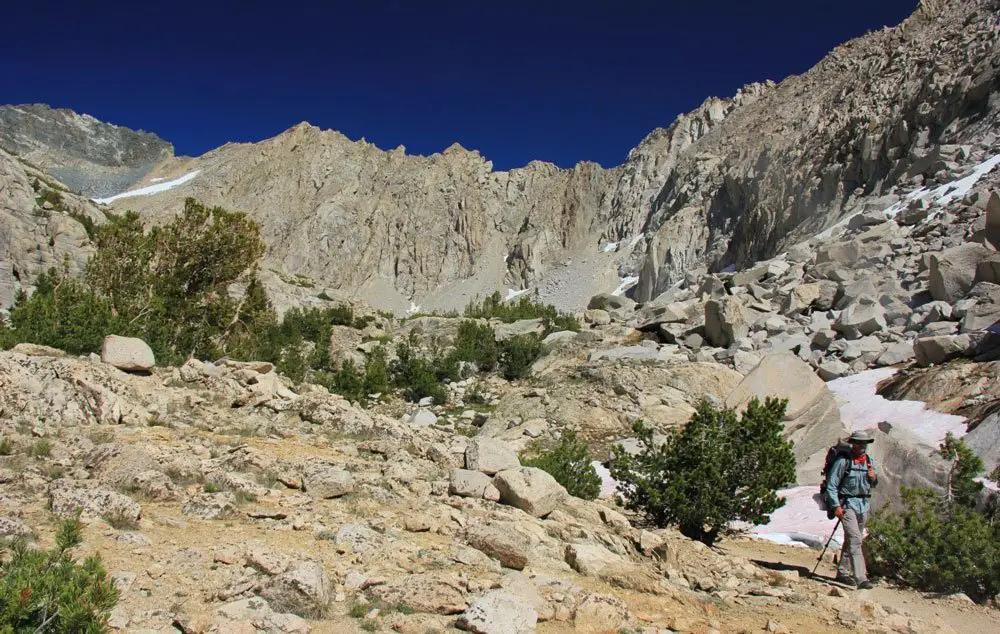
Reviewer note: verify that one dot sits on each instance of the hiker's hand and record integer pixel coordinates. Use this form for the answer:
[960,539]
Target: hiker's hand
[839,512]
[871,474]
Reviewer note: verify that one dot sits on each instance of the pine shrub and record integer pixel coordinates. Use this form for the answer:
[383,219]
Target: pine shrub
[571,465]
[948,543]
[717,470]
[517,355]
[47,591]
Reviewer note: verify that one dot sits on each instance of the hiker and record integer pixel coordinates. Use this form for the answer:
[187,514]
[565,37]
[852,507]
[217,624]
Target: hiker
[848,488]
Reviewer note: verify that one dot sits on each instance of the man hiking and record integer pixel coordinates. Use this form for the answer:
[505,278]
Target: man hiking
[848,488]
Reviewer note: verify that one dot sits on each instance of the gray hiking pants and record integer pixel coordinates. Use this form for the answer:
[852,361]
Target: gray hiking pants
[852,560]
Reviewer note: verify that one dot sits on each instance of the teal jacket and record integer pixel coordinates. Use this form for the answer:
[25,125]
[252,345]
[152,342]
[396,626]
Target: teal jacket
[848,485]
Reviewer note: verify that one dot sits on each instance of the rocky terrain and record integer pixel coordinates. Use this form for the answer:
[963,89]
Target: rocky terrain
[89,156]
[839,226]
[225,499]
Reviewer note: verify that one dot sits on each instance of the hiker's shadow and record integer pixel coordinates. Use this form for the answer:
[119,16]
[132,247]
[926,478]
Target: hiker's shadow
[804,572]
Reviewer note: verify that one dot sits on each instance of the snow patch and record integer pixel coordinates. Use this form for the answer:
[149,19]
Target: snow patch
[634,241]
[940,196]
[608,484]
[627,283]
[611,246]
[157,180]
[512,294]
[413,309]
[148,191]
[801,521]
[861,407]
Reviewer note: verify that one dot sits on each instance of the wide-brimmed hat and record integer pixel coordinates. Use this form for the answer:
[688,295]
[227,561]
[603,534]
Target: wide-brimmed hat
[860,437]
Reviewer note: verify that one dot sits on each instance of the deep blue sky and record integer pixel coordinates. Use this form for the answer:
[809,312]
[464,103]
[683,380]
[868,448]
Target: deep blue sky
[556,80]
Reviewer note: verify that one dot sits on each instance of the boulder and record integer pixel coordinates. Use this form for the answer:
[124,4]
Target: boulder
[652,315]
[422,418]
[468,484]
[988,270]
[598,613]
[429,593]
[532,490]
[993,220]
[597,317]
[502,541]
[863,316]
[984,439]
[952,271]
[981,309]
[36,350]
[607,301]
[801,298]
[726,320]
[66,500]
[489,455]
[499,612]
[592,559]
[323,482]
[896,353]
[843,253]
[303,589]
[127,353]
[812,418]
[504,332]
[211,506]
[832,369]
[938,349]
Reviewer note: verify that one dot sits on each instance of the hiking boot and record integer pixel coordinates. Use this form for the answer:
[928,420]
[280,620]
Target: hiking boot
[865,585]
[847,580]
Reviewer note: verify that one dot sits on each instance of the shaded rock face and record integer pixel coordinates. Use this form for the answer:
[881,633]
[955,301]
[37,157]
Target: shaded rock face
[788,161]
[89,156]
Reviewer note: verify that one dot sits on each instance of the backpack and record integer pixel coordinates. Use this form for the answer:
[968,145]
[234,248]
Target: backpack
[833,454]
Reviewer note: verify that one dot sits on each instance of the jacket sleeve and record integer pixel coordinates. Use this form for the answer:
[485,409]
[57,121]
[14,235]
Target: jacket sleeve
[833,482]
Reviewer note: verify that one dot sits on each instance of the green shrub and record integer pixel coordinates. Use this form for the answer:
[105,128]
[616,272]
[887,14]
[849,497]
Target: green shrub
[63,313]
[6,447]
[417,377]
[947,543]
[47,591]
[517,355]
[716,470]
[934,546]
[571,465]
[476,343]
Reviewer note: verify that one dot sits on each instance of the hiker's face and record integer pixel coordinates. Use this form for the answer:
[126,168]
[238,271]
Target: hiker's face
[859,448]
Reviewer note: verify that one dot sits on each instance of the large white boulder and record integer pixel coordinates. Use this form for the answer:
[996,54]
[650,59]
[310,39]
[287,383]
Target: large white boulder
[489,455]
[499,612]
[127,353]
[532,490]
[812,418]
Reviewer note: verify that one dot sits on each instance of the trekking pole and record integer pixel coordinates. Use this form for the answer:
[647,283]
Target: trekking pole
[820,559]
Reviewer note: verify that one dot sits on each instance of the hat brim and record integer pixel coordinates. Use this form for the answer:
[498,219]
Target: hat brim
[860,441]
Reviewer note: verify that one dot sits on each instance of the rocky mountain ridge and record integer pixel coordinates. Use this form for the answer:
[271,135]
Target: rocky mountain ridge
[735,181]
[89,156]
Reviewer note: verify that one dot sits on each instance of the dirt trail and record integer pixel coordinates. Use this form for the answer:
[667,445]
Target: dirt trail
[960,615]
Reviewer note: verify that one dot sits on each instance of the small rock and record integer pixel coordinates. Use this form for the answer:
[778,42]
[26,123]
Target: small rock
[499,612]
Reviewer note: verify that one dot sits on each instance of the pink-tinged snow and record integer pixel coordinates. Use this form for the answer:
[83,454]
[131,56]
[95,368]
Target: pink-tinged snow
[512,294]
[801,521]
[608,484]
[149,191]
[989,484]
[862,408]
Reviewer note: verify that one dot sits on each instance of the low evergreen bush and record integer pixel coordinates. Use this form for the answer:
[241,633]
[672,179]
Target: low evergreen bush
[716,470]
[48,591]
[571,465]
